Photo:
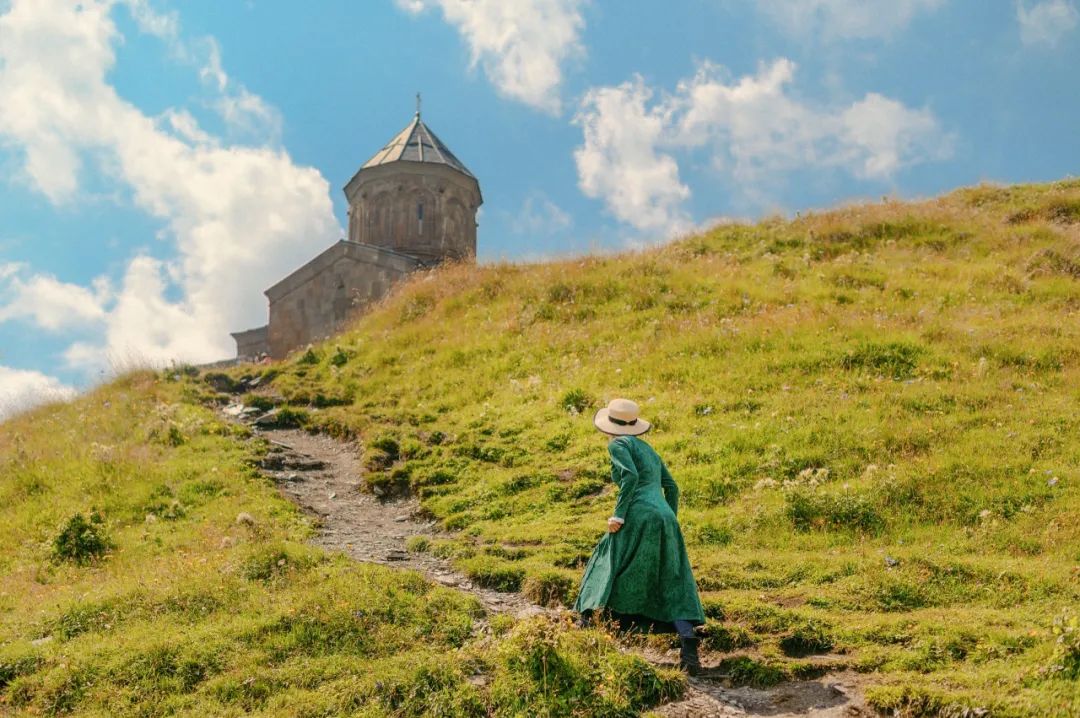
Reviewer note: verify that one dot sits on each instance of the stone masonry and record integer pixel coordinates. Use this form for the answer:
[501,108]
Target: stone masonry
[411,206]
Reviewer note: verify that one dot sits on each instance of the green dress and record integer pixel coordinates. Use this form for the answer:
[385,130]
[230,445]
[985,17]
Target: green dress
[642,570]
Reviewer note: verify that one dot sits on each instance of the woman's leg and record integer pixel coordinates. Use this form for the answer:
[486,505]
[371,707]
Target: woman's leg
[685,629]
[688,647]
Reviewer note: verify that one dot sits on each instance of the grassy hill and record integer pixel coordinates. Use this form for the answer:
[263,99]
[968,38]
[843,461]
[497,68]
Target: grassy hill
[872,413]
[146,569]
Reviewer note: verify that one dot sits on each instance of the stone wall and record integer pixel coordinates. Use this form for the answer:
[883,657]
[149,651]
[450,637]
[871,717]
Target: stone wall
[252,343]
[316,300]
[423,210]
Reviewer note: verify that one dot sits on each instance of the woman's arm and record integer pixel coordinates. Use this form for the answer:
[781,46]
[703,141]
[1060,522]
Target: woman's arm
[625,474]
[671,489]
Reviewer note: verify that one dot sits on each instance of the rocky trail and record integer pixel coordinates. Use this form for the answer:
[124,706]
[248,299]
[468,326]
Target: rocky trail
[323,476]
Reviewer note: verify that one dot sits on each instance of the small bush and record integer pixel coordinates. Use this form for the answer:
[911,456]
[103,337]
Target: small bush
[543,669]
[808,509]
[418,544]
[1065,662]
[807,639]
[388,445]
[259,401]
[493,573]
[80,540]
[717,637]
[222,382]
[339,358]
[576,401]
[272,561]
[16,662]
[549,588]
[895,359]
[745,671]
[712,535]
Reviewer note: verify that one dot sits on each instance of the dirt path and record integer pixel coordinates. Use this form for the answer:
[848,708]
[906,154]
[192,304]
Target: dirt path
[323,476]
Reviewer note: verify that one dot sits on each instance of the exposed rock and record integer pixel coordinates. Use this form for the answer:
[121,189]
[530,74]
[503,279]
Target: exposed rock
[268,419]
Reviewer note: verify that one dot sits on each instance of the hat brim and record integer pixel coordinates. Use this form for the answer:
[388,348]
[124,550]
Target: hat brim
[603,422]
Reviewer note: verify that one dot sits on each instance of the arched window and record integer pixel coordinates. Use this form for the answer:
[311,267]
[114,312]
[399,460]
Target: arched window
[420,218]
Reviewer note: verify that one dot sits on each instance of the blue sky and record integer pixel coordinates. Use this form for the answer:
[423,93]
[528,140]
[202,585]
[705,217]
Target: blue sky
[164,162]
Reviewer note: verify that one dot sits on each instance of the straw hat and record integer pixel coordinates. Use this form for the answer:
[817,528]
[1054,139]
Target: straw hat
[620,418]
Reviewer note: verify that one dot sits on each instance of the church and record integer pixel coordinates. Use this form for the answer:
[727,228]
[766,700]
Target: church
[411,206]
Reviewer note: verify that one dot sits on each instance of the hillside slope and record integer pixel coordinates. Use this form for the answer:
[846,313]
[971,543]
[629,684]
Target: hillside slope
[147,569]
[872,413]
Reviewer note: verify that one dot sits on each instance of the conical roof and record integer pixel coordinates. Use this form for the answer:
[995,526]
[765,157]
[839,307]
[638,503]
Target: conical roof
[417,143]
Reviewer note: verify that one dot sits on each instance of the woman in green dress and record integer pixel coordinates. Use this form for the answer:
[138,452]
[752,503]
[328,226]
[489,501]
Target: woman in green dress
[639,572]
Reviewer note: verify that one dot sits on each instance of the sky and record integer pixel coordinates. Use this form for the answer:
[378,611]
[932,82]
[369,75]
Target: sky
[164,162]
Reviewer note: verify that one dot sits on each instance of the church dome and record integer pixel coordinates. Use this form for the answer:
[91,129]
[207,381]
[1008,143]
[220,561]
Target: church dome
[417,143]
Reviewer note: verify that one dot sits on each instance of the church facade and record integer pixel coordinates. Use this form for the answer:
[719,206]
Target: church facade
[411,206]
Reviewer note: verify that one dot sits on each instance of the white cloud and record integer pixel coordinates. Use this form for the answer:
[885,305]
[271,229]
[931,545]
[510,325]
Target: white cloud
[1046,22]
[21,390]
[539,215]
[752,130]
[239,216]
[521,44]
[881,136]
[845,19]
[619,161]
[50,303]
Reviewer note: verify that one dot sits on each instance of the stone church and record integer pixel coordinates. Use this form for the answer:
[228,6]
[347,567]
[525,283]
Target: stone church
[411,206]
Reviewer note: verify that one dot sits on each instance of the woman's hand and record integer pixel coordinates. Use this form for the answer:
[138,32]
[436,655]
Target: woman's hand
[613,525]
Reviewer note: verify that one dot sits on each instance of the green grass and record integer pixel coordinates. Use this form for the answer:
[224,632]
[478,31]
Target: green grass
[872,414]
[148,570]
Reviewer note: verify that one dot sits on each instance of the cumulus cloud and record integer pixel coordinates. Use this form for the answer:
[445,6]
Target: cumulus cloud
[239,216]
[48,302]
[619,160]
[520,44]
[21,390]
[752,130]
[845,19]
[1046,23]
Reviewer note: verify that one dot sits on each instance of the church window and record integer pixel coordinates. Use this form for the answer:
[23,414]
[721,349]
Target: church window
[419,219]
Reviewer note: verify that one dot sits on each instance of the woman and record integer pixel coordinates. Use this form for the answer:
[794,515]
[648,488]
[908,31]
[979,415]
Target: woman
[640,571]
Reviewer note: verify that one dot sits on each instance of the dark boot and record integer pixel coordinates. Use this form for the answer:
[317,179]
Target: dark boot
[688,655]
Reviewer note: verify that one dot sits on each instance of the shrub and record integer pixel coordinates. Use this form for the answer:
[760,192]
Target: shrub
[543,669]
[746,671]
[807,639]
[80,540]
[388,445]
[576,401]
[1065,662]
[549,588]
[418,544]
[15,663]
[222,382]
[717,637]
[493,573]
[808,509]
[712,535]
[339,358]
[896,359]
[271,561]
